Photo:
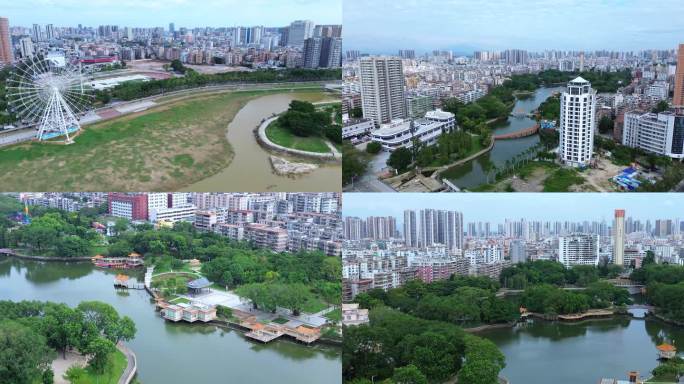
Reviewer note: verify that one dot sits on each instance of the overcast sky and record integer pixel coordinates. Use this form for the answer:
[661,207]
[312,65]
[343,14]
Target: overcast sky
[495,207]
[184,13]
[384,26]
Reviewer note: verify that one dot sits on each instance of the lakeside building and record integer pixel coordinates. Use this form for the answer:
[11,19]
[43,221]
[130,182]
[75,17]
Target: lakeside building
[189,312]
[401,133]
[660,133]
[577,123]
[173,214]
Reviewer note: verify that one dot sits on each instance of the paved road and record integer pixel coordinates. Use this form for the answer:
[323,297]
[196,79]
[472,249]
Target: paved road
[17,136]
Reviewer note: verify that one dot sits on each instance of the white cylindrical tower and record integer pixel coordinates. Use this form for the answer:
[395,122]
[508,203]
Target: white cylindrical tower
[577,123]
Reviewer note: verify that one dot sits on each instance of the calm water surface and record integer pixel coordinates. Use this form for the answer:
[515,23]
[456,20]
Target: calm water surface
[167,352]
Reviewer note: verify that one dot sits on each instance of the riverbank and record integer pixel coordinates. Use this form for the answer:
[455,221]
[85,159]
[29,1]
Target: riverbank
[165,147]
[47,258]
[315,148]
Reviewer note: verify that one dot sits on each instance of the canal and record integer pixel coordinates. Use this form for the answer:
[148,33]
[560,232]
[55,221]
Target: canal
[473,173]
[168,352]
[250,169]
[584,352]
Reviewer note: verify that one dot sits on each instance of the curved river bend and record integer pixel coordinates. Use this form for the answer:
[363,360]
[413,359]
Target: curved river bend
[250,169]
[167,352]
[472,174]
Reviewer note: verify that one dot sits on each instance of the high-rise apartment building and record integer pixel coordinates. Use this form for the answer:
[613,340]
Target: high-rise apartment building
[382,89]
[678,100]
[5,42]
[429,227]
[577,123]
[619,237]
[299,31]
[578,249]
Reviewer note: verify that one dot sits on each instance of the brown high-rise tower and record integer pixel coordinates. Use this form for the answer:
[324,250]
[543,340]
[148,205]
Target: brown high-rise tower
[678,100]
[5,42]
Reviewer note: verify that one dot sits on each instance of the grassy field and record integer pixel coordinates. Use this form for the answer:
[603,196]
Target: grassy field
[162,149]
[117,364]
[562,179]
[282,136]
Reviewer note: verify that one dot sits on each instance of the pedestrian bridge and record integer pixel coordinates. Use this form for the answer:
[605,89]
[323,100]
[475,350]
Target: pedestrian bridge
[518,134]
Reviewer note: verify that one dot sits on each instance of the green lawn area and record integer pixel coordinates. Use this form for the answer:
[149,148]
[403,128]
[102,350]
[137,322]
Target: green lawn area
[165,148]
[117,364]
[314,305]
[527,169]
[280,320]
[562,179]
[335,315]
[283,137]
[180,300]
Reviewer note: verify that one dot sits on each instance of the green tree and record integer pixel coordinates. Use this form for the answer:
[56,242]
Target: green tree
[409,374]
[373,147]
[24,354]
[356,112]
[63,327]
[605,124]
[400,159]
[662,106]
[99,351]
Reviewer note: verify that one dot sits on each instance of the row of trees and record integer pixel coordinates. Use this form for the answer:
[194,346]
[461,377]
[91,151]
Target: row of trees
[268,296]
[523,275]
[192,79]
[466,301]
[31,332]
[354,163]
[552,300]
[401,348]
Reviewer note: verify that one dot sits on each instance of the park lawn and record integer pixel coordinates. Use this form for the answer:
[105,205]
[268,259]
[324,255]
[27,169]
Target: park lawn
[475,147]
[562,179]
[282,136]
[162,149]
[280,320]
[180,300]
[115,367]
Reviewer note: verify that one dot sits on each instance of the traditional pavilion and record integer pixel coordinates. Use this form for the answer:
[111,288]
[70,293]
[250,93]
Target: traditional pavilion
[199,286]
[666,351]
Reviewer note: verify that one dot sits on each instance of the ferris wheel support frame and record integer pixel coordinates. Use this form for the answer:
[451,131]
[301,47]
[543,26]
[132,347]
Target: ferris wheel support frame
[57,117]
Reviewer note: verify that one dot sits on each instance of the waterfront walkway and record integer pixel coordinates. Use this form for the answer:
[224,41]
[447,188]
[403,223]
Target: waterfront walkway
[131,366]
[263,139]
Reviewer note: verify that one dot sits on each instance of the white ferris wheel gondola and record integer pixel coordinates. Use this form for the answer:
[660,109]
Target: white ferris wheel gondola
[49,93]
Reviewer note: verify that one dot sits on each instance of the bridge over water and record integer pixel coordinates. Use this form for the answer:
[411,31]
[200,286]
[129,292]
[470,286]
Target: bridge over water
[518,134]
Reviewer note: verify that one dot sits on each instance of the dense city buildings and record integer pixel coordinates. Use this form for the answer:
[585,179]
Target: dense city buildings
[577,123]
[302,43]
[277,221]
[433,244]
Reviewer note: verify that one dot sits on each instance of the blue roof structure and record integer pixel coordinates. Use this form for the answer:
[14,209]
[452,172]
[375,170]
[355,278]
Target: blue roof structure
[199,283]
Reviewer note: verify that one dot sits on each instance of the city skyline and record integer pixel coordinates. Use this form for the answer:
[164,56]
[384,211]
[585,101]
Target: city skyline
[496,207]
[468,26]
[183,13]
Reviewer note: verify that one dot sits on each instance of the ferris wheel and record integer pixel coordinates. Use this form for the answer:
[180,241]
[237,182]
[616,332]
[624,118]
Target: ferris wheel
[49,92]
